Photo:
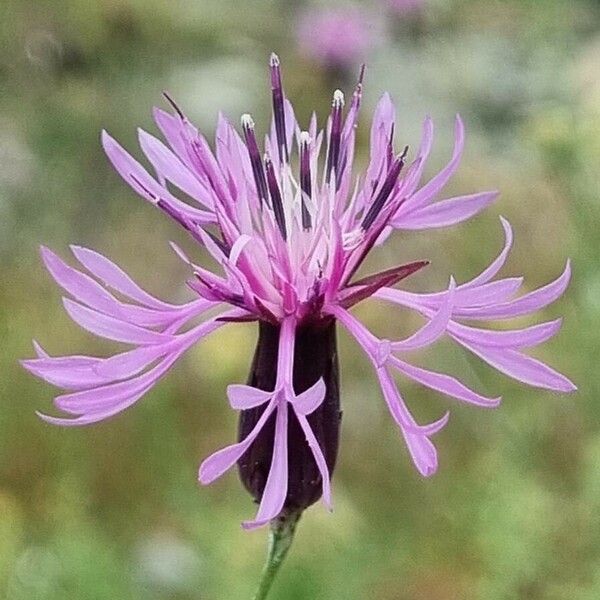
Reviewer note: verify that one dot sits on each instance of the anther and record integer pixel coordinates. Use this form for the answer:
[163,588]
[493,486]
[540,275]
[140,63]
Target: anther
[305,177]
[335,135]
[255,160]
[174,105]
[276,200]
[278,107]
[385,191]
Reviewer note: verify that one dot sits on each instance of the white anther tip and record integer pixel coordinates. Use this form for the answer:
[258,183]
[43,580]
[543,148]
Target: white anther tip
[247,121]
[338,98]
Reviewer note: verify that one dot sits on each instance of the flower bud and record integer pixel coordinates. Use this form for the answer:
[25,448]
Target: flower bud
[315,356]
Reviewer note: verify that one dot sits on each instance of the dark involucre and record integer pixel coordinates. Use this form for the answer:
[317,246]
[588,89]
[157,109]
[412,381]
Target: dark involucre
[315,356]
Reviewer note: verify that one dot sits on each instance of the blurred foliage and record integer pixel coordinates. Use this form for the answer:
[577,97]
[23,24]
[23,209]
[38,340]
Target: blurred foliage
[113,511]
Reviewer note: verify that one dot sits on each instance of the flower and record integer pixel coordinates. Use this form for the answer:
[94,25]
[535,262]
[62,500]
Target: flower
[406,7]
[289,243]
[335,37]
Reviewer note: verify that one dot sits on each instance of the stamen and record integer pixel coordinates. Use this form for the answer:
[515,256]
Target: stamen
[255,161]
[305,178]
[361,75]
[390,147]
[385,191]
[335,135]
[174,105]
[278,107]
[276,200]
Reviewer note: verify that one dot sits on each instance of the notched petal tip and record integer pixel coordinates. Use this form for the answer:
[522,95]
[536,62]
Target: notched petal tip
[428,471]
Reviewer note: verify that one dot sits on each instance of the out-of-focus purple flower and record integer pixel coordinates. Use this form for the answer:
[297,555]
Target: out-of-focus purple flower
[405,7]
[288,240]
[335,37]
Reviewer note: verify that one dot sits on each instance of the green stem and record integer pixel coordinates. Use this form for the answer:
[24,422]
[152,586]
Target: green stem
[280,540]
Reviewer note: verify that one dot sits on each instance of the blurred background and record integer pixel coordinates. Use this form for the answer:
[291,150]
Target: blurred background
[113,511]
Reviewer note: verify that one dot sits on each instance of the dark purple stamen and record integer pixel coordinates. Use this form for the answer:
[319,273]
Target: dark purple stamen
[174,105]
[349,124]
[173,213]
[242,319]
[385,191]
[335,135]
[170,210]
[255,160]
[223,247]
[390,148]
[278,108]
[305,180]
[276,200]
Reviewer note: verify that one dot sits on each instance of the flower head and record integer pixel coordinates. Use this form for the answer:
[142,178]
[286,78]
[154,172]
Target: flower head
[335,37]
[288,233]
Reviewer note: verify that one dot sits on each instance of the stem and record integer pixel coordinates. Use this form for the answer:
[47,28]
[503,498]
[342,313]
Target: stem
[281,537]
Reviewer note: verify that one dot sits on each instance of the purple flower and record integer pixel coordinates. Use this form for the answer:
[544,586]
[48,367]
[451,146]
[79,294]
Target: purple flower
[288,242]
[406,7]
[335,37]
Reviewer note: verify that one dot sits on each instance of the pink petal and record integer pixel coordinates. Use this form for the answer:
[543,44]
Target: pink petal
[464,298]
[423,154]
[131,170]
[174,131]
[498,263]
[85,289]
[522,368]
[243,397]
[445,212]
[216,464]
[318,456]
[486,294]
[238,248]
[97,404]
[111,328]
[443,383]
[437,183]
[309,400]
[71,373]
[40,352]
[275,490]
[170,167]
[128,364]
[399,410]
[383,122]
[80,286]
[145,185]
[526,304]
[423,453]
[115,277]
[114,394]
[433,329]
[515,338]
[93,417]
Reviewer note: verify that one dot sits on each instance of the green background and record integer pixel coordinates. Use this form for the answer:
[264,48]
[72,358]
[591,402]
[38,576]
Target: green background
[114,511]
